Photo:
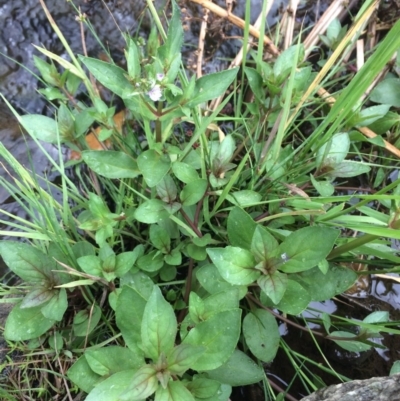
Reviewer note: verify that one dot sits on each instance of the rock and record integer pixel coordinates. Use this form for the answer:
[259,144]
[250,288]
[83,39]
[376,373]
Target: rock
[375,389]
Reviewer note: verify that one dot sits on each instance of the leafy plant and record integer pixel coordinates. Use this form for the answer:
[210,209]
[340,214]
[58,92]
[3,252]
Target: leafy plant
[164,276]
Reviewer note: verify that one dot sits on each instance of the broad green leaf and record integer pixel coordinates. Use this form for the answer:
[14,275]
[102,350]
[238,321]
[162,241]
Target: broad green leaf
[274,285]
[129,320]
[322,286]
[262,335]
[263,244]
[112,359]
[151,211]
[85,321]
[238,370]
[241,228]
[193,192]
[211,86]
[184,172]
[142,385]
[111,388]
[109,75]
[153,166]
[40,127]
[219,335]
[182,357]
[213,282]
[235,265]
[175,391]
[57,305]
[125,261]
[111,163]
[159,326]
[28,262]
[174,39]
[306,247]
[349,345]
[25,324]
[48,71]
[387,92]
[174,258]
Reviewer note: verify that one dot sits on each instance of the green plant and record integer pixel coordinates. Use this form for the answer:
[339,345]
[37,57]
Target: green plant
[164,278]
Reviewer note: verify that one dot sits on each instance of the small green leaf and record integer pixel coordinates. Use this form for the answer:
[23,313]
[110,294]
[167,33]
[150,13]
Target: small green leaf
[352,346]
[81,375]
[334,151]
[28,262]
[40,127]
[395,369]
[274,285]
[304,249]
[202,388]
[241,228]
[25,324]
[111,388]
[184,172]
[211,86]
[295,299]
[129,320]
[142,385]
[160,238]
[57,305]
[133,59]
[285,60]
[213,282]
[387,92]
[182,357]
[109,75]
[91,264]
[111,163]
[159,326]
[324,188]
[193,192]
[238,370]
[85,321]
[175,391]
[349,168]
[262,335]
[256,83]
[235,265]
[112,359]
[153,166]
[371,114]
[219,335]
[151,261]
[263,244]
[166,189]
[151,211]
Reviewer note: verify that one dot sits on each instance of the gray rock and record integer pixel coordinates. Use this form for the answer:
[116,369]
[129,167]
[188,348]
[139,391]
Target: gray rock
[375,389]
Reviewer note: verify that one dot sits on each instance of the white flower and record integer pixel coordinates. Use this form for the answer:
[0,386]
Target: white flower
[160,77]
[155,93]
